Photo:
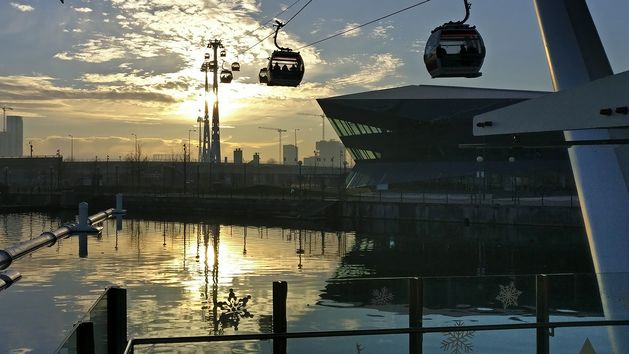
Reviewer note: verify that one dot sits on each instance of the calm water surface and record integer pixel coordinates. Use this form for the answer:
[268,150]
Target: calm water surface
[176,272]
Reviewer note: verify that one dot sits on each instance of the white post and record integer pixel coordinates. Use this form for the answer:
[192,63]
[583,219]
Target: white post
[576,56]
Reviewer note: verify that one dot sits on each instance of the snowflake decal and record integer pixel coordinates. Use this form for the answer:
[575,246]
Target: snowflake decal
[458,342]
[233,310]
[508,295]
[381,296]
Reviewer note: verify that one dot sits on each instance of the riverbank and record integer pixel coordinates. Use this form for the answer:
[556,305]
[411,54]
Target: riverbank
[556,211]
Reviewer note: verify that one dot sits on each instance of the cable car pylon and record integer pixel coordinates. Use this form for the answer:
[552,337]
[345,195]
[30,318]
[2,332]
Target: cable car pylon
[211,150]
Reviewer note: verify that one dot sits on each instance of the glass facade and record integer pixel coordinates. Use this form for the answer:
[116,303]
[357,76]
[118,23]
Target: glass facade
[346,128]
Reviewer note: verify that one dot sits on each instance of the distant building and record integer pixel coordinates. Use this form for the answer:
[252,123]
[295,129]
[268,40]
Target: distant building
[312,161]
[11,140]
[256,159]
[331,153]
[238,156]
[290,154]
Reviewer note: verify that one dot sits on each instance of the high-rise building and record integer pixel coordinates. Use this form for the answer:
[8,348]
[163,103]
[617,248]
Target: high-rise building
[11,139]
[290,154]
[331,153]
[238,156]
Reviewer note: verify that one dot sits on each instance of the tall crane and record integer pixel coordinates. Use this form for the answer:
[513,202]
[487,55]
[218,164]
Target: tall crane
[322,116]
[279,131]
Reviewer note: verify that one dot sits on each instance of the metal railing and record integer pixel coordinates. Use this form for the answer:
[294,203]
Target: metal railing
[415,330]
[84,226]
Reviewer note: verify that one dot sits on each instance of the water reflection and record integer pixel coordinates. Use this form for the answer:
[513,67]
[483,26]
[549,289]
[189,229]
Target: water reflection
[198,277]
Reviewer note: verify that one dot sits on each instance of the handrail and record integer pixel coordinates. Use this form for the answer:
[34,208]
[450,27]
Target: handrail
[49,238]
[369,332]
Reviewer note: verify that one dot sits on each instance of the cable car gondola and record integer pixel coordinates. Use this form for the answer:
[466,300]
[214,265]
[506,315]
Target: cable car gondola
[263,76]
[235,66]
[285,68]
[226,76]
[223,53]
[455,49]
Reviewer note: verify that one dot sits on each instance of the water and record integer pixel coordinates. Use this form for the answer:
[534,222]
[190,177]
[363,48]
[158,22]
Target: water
[176,271]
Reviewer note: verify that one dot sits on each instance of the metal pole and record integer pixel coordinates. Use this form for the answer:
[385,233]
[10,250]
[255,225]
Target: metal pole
[85,338]
[116,320]
[415,313]
[541,309]
[280,291]
[71,147]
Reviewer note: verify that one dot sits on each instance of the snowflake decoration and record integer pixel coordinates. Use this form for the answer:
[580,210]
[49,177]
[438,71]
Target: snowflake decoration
[381,296]
[508,295]
[233,310]
[458,342]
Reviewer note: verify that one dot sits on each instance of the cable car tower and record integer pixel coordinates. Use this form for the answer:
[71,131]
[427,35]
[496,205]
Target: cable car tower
[211,151]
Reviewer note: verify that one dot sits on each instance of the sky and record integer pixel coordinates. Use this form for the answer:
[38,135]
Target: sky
[100,70]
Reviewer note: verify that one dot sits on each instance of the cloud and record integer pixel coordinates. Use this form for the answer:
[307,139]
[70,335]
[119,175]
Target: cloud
[83,9]
[381,67]
[381,32]
[22,7]
[353,33]
[38,88]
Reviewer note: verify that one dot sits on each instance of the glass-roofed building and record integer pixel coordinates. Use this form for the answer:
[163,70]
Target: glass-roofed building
[422,135]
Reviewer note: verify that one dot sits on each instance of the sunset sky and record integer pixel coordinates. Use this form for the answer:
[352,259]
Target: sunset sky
[103,69]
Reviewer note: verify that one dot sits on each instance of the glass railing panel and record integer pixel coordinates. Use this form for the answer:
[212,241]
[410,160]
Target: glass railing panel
[581,297]
[389,344]
[588,340]
[506,341]
[69,344]
[355,304]
[486,300]
[244,346]
[98,316]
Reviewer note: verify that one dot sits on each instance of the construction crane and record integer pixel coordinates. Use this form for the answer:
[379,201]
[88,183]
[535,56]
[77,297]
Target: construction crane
[322,122]
[279,131]
[4,117]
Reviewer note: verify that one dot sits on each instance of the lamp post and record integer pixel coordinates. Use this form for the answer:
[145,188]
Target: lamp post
[190,146]
[300,186]
[135,145]
[185,174]
[480,175]
[513,180]
[71,147]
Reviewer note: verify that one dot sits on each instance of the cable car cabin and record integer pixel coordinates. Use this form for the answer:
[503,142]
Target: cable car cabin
[226,76]
[235,66]
[454,50]
[264,76]
[285,68]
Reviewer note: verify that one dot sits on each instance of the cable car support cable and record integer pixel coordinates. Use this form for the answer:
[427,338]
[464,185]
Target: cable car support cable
[275,31]
[365,24]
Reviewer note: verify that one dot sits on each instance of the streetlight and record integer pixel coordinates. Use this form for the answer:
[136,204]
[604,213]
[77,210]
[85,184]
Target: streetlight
[4,117]
[480,174]
[135,145]
[190,146]
[71,147]
[514,180]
